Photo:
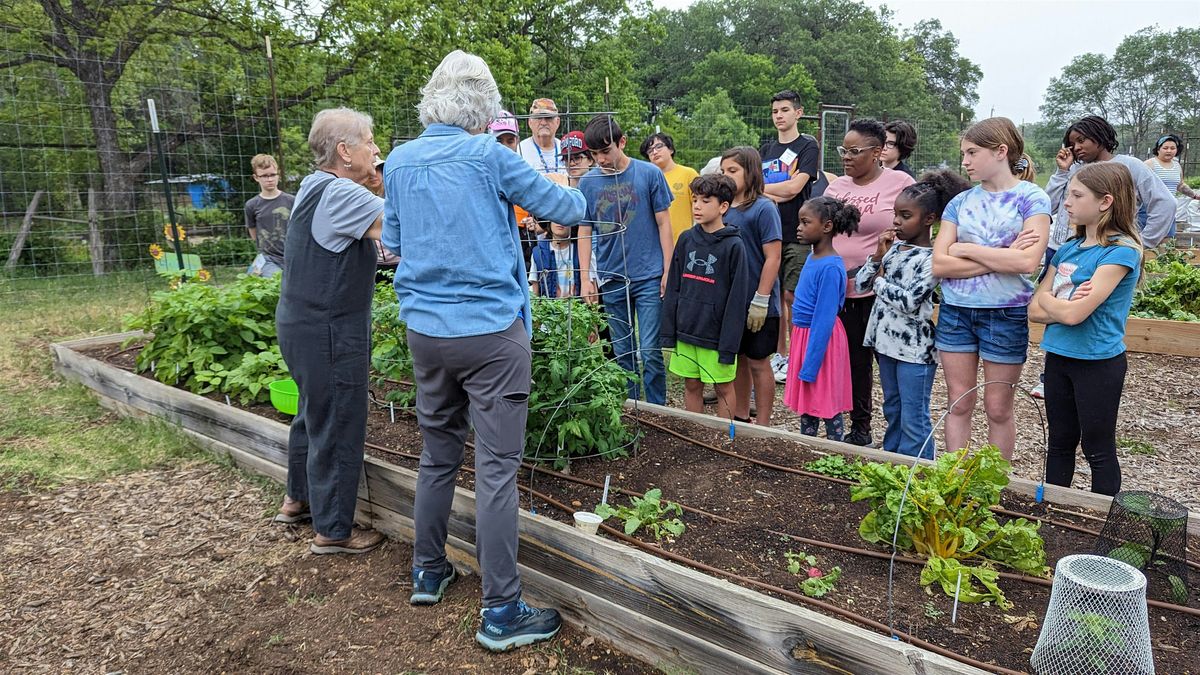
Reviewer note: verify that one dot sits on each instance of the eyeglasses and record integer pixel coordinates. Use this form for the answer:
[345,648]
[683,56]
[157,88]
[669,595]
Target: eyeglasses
[268,175]
[656,147]
[578,157]
[853,152]
[890,145]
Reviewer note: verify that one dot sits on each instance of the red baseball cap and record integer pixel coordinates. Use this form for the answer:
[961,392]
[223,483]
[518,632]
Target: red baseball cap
[573,144]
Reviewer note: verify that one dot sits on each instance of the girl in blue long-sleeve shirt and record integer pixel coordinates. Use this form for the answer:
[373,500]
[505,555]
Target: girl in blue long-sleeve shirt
[818,383]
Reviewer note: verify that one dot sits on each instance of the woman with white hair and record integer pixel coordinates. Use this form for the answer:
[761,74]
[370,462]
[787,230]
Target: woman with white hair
[324,325]
[463,293]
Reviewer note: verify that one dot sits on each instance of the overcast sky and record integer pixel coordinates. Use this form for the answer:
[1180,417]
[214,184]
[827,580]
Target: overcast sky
[1021,44]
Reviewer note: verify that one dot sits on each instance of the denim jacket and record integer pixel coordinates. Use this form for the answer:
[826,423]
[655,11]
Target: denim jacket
[449,216]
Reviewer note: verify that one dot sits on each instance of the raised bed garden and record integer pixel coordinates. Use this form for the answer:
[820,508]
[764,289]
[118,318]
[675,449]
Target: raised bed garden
[744,515]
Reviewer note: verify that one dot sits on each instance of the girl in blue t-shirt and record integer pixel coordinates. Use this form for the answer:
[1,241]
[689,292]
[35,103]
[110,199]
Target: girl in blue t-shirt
[991,240]
[818,382]
[1084,301]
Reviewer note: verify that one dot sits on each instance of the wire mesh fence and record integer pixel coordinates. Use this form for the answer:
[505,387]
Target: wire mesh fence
[82,195]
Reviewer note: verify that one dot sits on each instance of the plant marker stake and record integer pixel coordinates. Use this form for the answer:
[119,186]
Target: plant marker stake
[1041,490]
[957,587]
[152,365]
[392,410]
[604,497]
[227,399]
[732,430]
[162,165]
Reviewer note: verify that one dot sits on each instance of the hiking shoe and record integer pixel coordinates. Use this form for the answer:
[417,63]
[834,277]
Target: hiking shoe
[858,437]
[710,398]
[1039,391]
[359,541]
[293,511]
[428,586]
[515,625]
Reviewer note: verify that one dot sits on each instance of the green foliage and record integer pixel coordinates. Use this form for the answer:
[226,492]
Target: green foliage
[947,518]
[650,512]
[1172,289]
[815,582]
[191,217]
[577,396]
[713,126]
[200,327]
[248,381]
[1135,447]
[836,466]
[390,357]
[224,251]
[1095,637]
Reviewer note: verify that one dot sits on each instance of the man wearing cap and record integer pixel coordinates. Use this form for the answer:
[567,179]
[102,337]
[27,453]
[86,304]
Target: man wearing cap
[505,129]
[542,150]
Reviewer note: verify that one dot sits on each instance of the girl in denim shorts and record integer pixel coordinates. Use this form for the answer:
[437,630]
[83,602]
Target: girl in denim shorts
[992,239]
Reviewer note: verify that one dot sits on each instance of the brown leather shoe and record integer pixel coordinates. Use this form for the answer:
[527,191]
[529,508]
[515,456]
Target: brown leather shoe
[293,511]
[359,541]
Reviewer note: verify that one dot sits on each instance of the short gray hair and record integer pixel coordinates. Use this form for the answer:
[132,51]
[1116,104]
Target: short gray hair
[336,125]
[461,92]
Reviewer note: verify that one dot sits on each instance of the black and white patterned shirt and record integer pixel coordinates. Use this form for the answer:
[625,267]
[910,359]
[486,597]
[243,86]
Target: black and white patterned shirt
[901,324]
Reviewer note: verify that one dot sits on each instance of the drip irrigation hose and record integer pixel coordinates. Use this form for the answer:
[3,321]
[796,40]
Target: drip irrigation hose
[1038,581]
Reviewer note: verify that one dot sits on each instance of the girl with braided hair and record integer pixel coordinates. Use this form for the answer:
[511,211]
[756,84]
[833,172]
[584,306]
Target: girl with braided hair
[900,272]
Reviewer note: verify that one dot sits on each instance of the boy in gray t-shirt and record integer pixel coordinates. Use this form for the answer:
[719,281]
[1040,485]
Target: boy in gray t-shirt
[267,217]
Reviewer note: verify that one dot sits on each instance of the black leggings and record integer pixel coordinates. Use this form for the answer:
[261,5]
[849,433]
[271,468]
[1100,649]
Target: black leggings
[1082,398]
[854,315]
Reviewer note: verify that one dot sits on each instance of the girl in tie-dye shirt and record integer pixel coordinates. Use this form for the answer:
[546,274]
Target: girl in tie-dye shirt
[991,240]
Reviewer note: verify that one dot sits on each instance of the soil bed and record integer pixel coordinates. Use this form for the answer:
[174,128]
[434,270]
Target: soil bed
[765,499]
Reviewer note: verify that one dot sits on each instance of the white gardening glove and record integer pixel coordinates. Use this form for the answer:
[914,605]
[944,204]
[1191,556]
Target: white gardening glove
[757,315]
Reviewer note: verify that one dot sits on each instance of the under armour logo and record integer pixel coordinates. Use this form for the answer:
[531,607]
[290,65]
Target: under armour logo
[708,264]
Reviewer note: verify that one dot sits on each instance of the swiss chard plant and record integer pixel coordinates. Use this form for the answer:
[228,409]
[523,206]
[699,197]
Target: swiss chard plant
[650,512]
[577,396]
[204,329]
[1172,288]
[947,519]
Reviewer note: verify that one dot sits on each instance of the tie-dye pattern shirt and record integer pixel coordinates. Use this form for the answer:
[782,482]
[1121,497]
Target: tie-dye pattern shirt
[993,219]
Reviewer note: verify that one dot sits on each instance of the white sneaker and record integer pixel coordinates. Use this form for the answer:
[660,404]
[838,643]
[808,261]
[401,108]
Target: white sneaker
[1039,391]
[782,371]
[776,361]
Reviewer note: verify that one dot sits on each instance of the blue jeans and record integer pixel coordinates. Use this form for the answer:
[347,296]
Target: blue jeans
[643,297]
[906,388]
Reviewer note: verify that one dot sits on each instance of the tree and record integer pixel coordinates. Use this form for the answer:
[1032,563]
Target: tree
[951,78]
[713,126]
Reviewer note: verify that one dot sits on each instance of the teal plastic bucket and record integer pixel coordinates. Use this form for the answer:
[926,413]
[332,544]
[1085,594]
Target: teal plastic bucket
[285,396]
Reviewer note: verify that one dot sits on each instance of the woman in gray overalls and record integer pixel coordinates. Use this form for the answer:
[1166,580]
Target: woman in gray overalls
[324,324]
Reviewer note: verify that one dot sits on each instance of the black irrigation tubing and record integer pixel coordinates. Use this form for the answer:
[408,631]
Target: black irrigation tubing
[746,581]
[843,481]
[1038,581]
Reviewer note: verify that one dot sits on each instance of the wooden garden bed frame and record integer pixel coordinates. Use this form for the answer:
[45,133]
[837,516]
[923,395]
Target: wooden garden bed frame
[650,608]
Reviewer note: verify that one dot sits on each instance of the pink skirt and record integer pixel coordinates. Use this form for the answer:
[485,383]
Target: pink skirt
[831,394]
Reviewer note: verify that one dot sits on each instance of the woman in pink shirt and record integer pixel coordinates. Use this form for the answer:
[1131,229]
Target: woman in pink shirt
[873,190]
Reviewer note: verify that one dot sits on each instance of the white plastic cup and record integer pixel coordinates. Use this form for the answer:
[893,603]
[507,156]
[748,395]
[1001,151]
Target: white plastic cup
[588,521]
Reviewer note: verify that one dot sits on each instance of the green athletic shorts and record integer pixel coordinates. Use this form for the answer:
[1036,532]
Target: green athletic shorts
[701,364]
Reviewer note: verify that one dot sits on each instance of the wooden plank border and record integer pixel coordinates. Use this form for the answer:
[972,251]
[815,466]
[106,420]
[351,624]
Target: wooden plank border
[656,610]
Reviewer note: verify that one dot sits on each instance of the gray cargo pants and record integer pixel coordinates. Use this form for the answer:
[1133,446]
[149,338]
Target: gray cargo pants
[486,377]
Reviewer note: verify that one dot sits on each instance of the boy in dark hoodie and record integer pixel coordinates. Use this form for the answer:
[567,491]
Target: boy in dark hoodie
[708,289]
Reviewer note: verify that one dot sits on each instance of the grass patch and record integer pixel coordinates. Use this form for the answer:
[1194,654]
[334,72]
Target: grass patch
[51,431]
[1135,447]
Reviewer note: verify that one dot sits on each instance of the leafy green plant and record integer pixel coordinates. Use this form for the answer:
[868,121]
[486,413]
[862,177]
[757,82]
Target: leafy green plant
[248,381]
[815,582]
[200,326]
[650,512]
[1172,289]
[578,394]
[390,356]
[947,518]
[1135,447]
[834,465]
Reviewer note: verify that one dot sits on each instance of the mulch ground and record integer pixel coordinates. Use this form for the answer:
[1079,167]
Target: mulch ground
[180,570]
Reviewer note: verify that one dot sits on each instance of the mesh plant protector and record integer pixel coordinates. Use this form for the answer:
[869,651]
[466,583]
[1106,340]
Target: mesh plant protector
[1096,621]
[1149,531]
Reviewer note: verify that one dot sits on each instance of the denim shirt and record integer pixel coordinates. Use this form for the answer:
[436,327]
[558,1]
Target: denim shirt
[448,215]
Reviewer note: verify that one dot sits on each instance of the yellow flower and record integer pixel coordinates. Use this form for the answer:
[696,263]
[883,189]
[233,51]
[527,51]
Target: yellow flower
[203,274]
[156,251]
[175,283]
[170,235]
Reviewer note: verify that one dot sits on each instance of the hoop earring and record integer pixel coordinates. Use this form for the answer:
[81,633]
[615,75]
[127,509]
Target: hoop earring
[348,165]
